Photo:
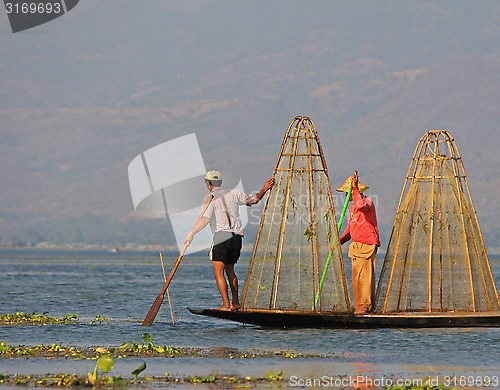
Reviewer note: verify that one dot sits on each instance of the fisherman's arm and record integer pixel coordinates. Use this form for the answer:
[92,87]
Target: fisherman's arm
[360,202]
[199,225]
[253,199]
[346,236]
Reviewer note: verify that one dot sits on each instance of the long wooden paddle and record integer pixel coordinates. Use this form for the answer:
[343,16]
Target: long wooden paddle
[150,317]
[329,259]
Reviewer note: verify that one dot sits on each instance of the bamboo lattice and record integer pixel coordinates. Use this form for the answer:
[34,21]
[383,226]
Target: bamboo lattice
[436,260]
[297,226]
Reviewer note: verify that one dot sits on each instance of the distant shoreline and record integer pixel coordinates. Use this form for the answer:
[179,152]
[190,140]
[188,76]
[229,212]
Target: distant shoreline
[171,249]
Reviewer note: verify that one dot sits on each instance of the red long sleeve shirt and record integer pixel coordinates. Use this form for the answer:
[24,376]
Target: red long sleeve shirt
[362,226]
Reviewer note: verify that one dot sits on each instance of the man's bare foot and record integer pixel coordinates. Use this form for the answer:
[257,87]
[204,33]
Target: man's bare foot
[226,308]
[235,306]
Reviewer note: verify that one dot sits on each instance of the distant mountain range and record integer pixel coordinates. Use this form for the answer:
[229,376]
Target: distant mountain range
[83,95]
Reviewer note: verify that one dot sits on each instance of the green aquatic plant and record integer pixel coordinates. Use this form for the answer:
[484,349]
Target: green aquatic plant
[20,318]
[309,232]
[46,351]
[59,380]
[137,371]
[147,347]
[105,363]
[56,380]
[98,320]
[287,354]
[201,379]
[17,351]
[146,338]
[272,377]
[65,380]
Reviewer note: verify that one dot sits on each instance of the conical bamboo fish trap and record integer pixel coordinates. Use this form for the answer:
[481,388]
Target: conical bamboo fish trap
[436,260]
[436,271]
[297,226]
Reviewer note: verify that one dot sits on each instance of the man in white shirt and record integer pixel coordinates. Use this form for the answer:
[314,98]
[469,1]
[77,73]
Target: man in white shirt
[222,213]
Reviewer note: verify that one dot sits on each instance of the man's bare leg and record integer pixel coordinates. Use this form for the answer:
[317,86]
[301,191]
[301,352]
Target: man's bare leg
[233,284]
[221,284]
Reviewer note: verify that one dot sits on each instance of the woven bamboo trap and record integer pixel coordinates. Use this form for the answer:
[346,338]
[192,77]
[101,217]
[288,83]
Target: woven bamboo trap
[436,271]
[298,225]
[436,260]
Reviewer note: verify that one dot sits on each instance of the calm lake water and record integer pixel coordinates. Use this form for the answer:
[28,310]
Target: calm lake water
[122,286]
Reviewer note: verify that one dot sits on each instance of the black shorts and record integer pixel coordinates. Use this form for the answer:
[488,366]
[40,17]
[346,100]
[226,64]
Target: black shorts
[226,247]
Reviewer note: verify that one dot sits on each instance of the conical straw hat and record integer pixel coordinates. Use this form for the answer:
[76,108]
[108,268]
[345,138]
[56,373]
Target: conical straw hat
[347,184]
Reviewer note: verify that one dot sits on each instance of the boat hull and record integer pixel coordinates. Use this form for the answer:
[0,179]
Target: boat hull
[293,319]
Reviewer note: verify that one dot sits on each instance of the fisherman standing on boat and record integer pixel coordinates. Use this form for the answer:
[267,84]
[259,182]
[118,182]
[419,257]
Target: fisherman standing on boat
[223,215]
[363,231]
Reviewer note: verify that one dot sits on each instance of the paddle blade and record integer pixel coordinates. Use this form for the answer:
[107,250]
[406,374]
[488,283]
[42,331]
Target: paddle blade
[150,317]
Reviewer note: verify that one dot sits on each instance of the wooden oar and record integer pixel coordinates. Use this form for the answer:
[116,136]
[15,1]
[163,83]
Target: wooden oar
[328,260]
[150,317]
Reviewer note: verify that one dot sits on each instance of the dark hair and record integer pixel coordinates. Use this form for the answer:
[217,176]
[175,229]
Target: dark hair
[214,183]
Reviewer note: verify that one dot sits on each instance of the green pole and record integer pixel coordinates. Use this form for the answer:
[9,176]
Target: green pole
[328,260]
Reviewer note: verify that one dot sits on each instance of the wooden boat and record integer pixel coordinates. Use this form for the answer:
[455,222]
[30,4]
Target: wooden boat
[294,319]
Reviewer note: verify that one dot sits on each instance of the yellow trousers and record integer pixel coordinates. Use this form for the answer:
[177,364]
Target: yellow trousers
[363,275]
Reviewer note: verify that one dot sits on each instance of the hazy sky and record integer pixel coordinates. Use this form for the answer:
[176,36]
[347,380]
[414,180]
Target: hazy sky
[84,94]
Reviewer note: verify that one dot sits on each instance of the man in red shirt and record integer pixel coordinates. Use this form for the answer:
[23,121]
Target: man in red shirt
[363,231]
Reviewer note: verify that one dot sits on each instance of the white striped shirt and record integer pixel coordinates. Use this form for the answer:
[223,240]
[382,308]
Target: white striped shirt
[216,211]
